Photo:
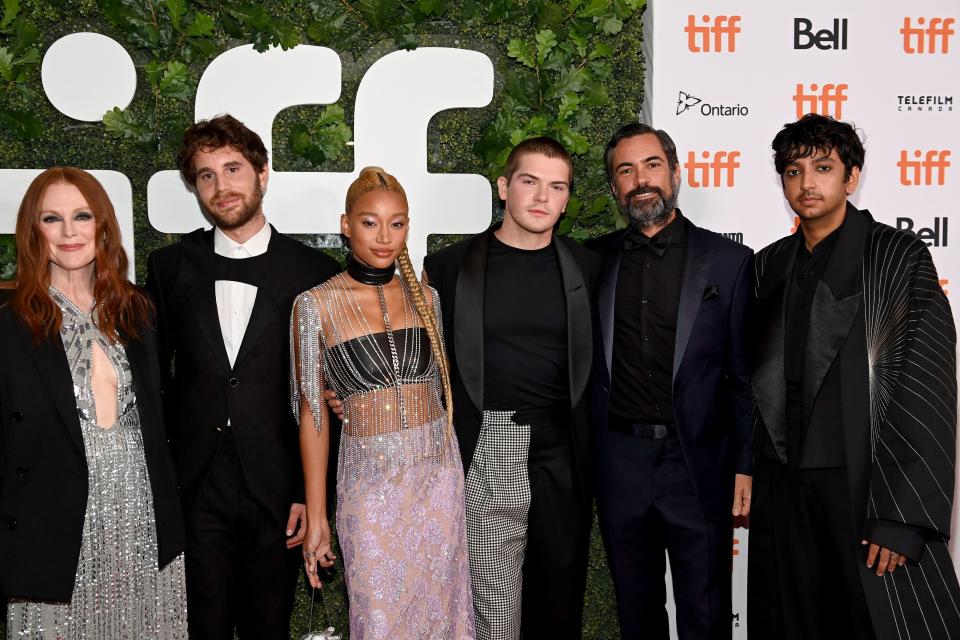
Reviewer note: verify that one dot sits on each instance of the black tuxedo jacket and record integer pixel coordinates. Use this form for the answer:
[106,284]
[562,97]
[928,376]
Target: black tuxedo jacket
[712,399]
[43,466]
[458,273]
[880,322]
[202,391]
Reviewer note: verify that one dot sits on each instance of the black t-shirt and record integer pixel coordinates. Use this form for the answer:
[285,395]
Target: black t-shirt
[524,329]
[645,325]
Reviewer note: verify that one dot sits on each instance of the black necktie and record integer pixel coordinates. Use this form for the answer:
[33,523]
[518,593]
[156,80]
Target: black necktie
[658,244]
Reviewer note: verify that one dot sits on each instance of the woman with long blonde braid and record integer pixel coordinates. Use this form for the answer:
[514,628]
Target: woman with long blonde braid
[377,341]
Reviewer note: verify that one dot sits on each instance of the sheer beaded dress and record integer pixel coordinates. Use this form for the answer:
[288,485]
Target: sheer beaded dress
[400,506]
[118,591]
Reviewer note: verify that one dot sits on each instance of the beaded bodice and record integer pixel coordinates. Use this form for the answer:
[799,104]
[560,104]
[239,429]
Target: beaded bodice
[387,380]
[79,332]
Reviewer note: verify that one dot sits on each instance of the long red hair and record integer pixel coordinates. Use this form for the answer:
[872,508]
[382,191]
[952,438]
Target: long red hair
[122,310]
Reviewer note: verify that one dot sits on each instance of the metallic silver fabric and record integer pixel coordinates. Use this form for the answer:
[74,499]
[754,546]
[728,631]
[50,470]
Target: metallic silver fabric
[118,592]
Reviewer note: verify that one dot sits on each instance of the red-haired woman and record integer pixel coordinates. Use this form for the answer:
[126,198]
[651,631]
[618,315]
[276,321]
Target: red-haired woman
[91,532]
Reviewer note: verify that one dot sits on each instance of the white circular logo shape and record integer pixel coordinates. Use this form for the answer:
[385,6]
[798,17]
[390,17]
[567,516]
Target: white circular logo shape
[86,74]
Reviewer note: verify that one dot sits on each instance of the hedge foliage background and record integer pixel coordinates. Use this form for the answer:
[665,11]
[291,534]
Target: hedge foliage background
[572,69]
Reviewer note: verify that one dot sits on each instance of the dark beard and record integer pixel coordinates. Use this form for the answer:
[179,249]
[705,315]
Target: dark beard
[649,214]
[247,213]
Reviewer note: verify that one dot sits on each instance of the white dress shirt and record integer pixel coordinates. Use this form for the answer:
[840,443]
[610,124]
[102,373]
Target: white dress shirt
[235,299]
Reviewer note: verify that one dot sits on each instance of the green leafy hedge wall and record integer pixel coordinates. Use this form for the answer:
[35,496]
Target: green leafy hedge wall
[572,69]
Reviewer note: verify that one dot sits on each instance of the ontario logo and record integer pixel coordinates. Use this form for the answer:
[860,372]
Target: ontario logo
[687,101]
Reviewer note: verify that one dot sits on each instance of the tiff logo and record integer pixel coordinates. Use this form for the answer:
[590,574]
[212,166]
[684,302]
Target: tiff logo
[713,171]
[935,236]
[826,101]
[805,38]
[924,39]
[921,171]
[723,29]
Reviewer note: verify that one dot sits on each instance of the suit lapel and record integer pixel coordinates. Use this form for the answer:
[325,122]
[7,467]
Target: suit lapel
[266,306]
[769,385]
[51,363]
[468,317]
[695,273]
[836,303]
[204,303]
[579,330]
[607,294]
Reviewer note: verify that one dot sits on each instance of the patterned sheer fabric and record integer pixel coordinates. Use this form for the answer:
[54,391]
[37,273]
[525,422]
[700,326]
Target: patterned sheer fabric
[118,591]
[400,509]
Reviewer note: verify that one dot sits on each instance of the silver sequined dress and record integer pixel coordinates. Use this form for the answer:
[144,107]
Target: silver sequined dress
[118,592]
[400,506]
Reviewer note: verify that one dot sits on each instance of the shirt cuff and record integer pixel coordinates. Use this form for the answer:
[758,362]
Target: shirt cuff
[905,539]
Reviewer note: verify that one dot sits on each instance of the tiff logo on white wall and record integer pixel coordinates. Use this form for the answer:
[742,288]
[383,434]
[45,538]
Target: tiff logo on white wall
[395,101]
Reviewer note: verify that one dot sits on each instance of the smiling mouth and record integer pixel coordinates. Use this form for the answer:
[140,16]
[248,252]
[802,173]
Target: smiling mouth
[70,247]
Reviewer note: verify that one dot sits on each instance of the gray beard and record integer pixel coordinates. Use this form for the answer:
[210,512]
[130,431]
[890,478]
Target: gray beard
[643,216]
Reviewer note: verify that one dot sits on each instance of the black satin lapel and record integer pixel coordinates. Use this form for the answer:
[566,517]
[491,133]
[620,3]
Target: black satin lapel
[830,322]
[204,302]
[607,297]
[695,274]
[51,362]
[468,317]
[579,329]
[263,308]
[769,384]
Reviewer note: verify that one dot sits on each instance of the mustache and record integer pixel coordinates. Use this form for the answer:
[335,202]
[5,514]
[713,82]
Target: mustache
[643,190]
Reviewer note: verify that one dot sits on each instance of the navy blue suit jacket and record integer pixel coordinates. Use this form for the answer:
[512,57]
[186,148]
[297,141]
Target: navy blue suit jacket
[712,397]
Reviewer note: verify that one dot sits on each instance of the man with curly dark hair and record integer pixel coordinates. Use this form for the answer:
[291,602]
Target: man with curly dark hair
[855,418]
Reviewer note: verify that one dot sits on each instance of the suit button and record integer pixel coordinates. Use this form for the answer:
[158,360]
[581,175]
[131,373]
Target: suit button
[23,471]
[233,382]
[11,523]
[17,416]
[218,428]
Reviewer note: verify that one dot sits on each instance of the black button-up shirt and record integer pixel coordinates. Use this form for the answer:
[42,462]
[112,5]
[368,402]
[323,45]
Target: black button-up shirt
[645,326]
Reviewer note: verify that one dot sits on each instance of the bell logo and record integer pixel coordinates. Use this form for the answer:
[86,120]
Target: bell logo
[931,36]
[921,171]
[724,30]
[935,236]
[826,101]
[804,37]
[715,171]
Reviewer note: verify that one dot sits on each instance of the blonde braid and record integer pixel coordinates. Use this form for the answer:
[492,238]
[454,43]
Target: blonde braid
[425,311]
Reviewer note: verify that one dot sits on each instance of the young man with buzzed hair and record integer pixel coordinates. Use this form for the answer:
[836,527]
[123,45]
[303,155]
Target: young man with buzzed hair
[517,311]
[223,298]
[855,421]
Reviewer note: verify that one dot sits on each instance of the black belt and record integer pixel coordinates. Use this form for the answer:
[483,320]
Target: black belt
[650,431]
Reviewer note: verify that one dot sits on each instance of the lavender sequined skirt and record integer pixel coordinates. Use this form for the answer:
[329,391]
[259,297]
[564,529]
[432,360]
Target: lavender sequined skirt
[402,530]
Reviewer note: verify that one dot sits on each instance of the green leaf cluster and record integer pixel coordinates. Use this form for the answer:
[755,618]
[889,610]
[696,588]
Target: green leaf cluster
[323,139]
[19,57]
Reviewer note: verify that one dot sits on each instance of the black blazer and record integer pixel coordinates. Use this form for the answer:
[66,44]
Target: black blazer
[43,467]
[458,272]
[202,391]
[712,399]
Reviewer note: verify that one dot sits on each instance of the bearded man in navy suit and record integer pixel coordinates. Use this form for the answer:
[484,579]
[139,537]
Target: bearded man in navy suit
[671,399]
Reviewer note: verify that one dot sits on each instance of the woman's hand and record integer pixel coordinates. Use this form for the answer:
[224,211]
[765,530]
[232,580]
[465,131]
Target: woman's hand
[317,550]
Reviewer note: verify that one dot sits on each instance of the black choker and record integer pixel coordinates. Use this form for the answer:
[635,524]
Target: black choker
[365,274]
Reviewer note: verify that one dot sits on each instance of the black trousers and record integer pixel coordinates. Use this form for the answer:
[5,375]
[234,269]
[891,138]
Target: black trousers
[240,575]
[558,533]
[804,556]
[647,505]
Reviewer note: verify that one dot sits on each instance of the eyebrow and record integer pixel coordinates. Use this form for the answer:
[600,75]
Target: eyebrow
[647,159]
[530,175]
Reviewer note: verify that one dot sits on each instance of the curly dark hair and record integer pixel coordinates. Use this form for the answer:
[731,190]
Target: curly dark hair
[639,129]
[216,133]
[813,133]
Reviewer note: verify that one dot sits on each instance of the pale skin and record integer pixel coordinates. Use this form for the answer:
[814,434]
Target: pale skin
[377,227]
[225,187]
[817,188]
[640,161]
[68,225]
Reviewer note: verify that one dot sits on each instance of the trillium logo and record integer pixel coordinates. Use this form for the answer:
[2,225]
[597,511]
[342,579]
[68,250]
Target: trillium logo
[685,101]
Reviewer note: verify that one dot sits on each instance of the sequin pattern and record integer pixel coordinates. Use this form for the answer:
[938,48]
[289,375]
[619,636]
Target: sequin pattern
[400,501]
[118,591]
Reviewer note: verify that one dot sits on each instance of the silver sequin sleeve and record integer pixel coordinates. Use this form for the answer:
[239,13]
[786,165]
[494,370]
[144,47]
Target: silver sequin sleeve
[306,366]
